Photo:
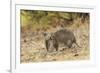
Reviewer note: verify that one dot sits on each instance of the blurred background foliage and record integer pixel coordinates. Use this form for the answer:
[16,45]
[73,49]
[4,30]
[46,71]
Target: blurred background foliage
[35,19]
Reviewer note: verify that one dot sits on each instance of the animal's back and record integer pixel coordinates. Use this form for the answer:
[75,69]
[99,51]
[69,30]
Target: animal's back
[64,35]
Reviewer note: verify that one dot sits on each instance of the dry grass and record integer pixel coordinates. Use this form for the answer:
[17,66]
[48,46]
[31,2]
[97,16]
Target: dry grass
[33,48]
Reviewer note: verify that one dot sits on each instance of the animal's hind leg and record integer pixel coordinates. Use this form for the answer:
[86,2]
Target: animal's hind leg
[69,44]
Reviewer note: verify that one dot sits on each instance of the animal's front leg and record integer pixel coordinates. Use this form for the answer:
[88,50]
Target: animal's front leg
[47,45]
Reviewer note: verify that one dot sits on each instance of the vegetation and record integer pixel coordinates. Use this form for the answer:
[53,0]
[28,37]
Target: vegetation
[37,19]
[35,22]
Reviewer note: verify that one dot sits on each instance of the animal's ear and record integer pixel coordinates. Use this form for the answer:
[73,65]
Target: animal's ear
[52,36]
[46,35]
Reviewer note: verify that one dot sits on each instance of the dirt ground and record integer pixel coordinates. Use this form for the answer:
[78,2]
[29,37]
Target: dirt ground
[33,47]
